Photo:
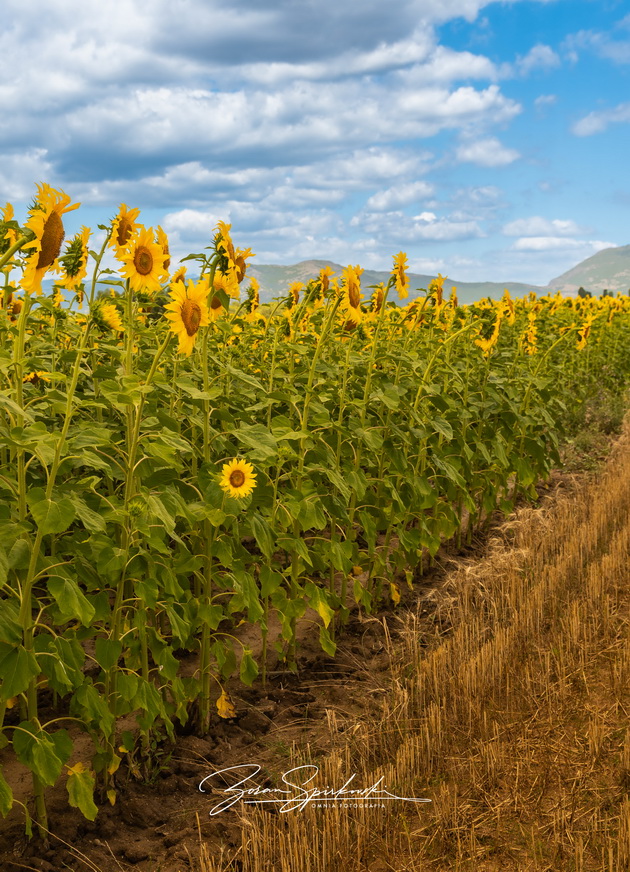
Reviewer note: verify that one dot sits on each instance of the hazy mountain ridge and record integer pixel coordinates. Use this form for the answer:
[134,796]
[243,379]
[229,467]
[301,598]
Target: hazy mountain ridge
[609,269]
[275,279]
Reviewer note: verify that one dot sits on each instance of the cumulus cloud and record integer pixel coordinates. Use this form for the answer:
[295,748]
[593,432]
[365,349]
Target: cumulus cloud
[488,152]
[314,127]
[539,57]
[612,45]
[598,121]
[561,243]
[538,226]
[400,195]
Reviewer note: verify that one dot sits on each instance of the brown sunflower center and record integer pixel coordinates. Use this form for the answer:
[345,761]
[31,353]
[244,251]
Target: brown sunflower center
[125,229]
[237,478]
[143,260]
[215,302]
[52,237]
[354,298]
[191,316]
[240,266]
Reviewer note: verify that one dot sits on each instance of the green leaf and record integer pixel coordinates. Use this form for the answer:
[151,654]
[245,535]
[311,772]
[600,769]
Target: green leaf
[6,796]
[17,668]
[20,554]
[45,754]
[107,652]
[263,533]
[326,642]
[91,520]
[12,406]
[51,516]
[270,581]
[70,599]
[319,602]
[93,707]
[4,566]
[260,440]
[80,786]
[10,627]
[249,667]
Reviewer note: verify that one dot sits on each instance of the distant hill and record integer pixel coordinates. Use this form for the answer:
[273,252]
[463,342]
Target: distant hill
[608,269]
[274,281]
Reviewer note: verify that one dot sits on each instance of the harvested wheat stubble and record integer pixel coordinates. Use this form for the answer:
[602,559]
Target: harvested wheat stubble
[514,720]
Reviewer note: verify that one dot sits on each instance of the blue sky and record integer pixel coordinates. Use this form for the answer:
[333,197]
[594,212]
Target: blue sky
[488,140]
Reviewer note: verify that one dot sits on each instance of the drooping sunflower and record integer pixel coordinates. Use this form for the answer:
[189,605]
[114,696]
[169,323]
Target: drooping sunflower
[162,239]
[8,228]
[400,275]
[143,261]
[232,261]
[75,261]
[351,287]
[187,312]
[123,227]
[45,222]
[238,478]
[376,301]
[110,316]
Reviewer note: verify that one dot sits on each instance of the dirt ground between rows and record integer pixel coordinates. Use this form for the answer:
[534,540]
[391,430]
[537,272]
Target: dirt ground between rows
[161,823]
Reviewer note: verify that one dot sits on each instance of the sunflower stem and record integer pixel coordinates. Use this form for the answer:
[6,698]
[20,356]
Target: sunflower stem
[29,236]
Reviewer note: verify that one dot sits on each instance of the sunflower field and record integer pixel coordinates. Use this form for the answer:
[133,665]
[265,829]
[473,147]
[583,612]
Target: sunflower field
[177,460]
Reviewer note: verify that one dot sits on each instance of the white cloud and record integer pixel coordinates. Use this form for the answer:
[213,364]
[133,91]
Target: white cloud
[400,195]
[540,57]
[488,152]
[598,121]
[553,243]
[604,44]
[538,226]
[545,100]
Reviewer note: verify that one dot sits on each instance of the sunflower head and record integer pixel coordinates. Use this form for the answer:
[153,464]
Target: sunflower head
[376,302]
[107,315]
[351,289]
[162,239]
[399,275]
[75,261]
[238,478]
[8,228]
[123,227]
[143,261]
[187,312]
[45,223]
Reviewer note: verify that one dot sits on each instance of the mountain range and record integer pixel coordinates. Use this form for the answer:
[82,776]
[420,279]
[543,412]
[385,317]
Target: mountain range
[609,269]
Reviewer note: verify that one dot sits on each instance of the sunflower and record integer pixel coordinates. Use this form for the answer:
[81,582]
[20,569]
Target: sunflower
[162,239]
[178,276]
[294,293]
[110,316]
[436,289]
[376,301]
[238,478]
[231,261]
[74,262]
[399,274]
[352,292]
[45,222]
[187,312]
[8,229]
[123,227]
[143,260]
